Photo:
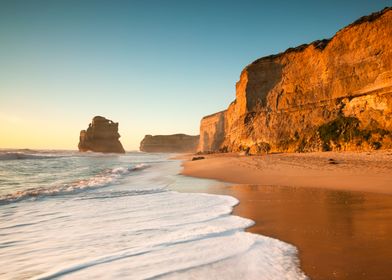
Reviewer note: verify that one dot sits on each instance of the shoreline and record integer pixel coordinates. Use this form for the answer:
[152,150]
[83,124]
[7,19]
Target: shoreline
[351,171]
[342,231]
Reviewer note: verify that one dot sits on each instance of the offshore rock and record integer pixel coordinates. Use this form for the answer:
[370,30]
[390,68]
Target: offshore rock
[101,136]
[333,94]
[176,143]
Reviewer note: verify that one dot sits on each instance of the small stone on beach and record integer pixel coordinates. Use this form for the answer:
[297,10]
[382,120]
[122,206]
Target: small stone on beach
[197,158]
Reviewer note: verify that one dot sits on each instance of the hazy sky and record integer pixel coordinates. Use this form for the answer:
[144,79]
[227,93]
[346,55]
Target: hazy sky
[156,67]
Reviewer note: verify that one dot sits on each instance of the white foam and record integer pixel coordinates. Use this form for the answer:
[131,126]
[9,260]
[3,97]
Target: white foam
[106,178]
[138,230]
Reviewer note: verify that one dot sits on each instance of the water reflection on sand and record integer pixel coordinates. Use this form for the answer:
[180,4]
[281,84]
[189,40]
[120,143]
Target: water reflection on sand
[340,234]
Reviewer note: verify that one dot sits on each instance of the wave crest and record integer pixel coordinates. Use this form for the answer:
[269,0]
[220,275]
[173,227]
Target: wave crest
[105,178]
[19,155]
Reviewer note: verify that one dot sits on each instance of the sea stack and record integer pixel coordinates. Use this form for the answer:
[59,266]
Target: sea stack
[176,143]
[101,136]
[333,94]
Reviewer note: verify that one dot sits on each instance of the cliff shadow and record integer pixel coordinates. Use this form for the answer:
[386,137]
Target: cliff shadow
[263,76]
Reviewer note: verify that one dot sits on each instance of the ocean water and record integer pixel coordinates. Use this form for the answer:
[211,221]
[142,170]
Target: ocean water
[66,215]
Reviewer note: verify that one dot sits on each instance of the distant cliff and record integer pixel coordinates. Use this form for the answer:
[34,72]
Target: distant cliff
[176,143]
[101,136]
[212,132]
[332,94]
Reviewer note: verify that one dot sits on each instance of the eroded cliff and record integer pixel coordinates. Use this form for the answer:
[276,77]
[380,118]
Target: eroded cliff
[176,143]
[101,136]
[212,132]
[328,95]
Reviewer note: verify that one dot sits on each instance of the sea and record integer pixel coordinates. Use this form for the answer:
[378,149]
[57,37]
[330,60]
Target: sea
[71,215]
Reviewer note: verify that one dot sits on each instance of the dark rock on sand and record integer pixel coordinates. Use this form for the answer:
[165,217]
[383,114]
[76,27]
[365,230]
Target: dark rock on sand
[198,158]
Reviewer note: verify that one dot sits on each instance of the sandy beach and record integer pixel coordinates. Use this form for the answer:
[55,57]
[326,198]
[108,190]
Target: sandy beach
[356,171]
[339,214]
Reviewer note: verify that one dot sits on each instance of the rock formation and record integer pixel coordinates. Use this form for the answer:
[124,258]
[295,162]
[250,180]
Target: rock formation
[212,132]
[101,136]
[332,94]
[176,143]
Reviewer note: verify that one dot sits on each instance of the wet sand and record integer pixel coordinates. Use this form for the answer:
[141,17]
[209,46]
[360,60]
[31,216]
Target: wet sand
[340,233]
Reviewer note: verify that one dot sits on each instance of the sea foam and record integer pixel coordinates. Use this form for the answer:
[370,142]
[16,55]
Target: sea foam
[103,179]
[138,229]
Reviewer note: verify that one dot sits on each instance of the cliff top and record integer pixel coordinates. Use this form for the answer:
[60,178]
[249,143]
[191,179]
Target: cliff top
[322,44]
[211,115]
[170,135]
[99,119]
[370,18]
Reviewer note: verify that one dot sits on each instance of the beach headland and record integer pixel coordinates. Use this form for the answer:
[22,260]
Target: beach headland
[336,208]
[329,95]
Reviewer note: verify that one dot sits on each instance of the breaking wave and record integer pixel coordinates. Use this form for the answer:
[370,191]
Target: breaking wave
[19,155]
[104,217]
[103,179]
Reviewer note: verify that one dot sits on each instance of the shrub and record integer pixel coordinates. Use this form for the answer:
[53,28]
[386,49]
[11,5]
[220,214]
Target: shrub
[264,147]
[376,145]
[341,129]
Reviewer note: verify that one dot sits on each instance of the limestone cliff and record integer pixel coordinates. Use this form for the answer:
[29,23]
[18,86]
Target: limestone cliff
[212,132]
[328,95]
[101,136]
[176,143]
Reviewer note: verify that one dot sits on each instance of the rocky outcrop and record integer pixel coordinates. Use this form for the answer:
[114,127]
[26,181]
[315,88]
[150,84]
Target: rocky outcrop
[328,95]
[176,143]
[212,132]
[101,136]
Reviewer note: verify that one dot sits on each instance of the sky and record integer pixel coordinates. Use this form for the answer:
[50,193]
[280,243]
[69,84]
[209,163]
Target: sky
[156,67]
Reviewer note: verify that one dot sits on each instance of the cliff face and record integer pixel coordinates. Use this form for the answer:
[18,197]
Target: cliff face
[329,95]
[212,132]
[176,143]
[101,136]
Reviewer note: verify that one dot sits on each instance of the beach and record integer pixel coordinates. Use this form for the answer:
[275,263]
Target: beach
[355,171]
[338,215]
